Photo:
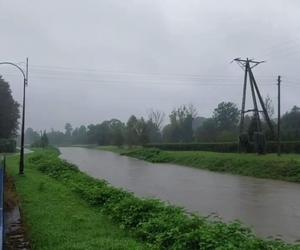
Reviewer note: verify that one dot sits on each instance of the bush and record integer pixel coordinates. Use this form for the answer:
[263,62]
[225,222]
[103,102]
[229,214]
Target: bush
[286,147]
[226,147]
[152,155]
[7,146]
[161,225]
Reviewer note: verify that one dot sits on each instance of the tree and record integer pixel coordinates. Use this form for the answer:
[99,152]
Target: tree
[116,132]
[56,137]
[167,133]
[153,132]
[180,128]
[290,124]
[92,134]
[68,129]
[269,106]
[187,128]
[208,131]
[156,117]
[44,140]
[82,133]
[31,136]
[9,111]
[192,110]
[103,133]
[226,116]
[141,131]
[79,135]
[118,137]
[198,122]
[136,131]
[269,134]
[131,131]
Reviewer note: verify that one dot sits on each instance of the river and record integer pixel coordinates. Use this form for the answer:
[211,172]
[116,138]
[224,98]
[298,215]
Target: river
[271,208]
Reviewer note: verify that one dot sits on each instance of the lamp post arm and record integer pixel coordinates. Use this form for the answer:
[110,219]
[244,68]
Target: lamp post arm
[18,67]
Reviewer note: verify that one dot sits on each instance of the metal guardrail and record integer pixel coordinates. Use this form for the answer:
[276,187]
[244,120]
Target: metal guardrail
[2,181]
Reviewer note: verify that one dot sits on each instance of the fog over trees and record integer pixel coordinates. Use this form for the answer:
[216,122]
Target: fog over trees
[182,126]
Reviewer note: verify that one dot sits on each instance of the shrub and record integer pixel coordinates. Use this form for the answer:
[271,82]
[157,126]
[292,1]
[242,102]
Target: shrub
[226,147]
[153,155]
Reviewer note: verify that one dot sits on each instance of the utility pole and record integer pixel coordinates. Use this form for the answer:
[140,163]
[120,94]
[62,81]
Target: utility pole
[278,122]
[247,65]
[244,97]
[21,168]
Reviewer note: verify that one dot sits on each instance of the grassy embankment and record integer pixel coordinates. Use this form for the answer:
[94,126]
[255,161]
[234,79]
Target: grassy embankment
[58,219]
[286,167]
[157,224]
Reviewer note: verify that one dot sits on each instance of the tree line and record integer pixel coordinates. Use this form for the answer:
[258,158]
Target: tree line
[183,126]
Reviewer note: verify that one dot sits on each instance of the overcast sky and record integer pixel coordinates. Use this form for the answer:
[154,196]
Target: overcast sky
[94,60]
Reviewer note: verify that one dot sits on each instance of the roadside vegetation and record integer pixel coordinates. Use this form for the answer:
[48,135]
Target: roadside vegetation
[57,218]
[286,167]
[82,205]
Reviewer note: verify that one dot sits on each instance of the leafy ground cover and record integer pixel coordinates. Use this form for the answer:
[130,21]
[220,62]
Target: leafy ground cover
[157,224]
[56,218]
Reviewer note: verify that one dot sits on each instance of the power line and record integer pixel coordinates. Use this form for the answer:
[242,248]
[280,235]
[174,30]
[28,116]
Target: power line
[121,77]
[122,73]
[147,81]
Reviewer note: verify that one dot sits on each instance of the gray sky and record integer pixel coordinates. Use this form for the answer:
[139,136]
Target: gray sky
[94,60]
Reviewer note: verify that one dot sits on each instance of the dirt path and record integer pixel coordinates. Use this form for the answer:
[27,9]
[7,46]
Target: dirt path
[14,226]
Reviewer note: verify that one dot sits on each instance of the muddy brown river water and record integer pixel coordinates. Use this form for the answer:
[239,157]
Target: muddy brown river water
[271,208]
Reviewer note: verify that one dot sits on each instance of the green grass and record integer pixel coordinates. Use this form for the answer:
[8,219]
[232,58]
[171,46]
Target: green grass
[286,167]
[58,219]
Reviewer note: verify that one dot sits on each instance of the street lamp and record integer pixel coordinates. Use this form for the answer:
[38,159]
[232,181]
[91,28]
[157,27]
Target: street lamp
[25,76]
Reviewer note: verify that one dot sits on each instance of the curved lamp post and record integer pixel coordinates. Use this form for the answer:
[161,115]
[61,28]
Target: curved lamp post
[25,76]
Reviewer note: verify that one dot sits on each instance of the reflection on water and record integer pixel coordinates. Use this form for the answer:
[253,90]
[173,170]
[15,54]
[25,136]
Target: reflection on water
[269,207]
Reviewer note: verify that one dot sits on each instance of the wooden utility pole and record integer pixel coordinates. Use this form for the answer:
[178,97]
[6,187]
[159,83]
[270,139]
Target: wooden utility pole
[21,168]
[278,122]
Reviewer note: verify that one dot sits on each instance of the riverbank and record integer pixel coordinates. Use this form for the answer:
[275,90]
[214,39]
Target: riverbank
[56,218]
[157,224]
[270,166]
